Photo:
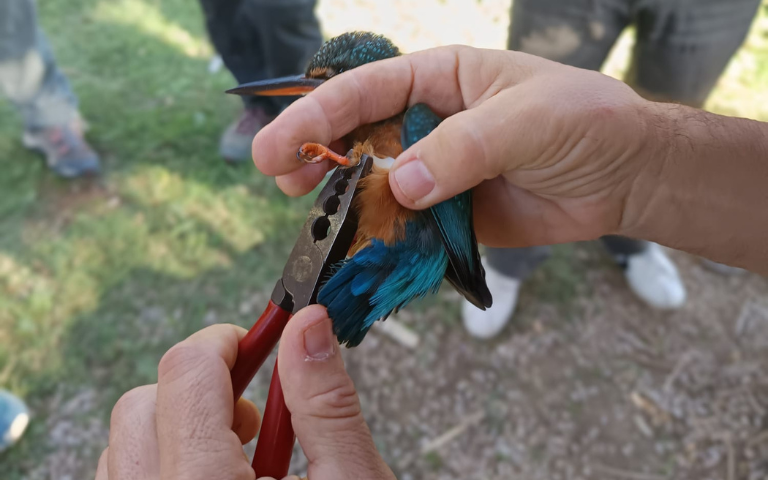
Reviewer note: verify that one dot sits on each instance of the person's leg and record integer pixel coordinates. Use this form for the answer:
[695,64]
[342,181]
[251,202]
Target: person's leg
[682,49]
[29,76]
[623,247]
[575,32]
[684,46]
[260,39]
[30,79]
[579,33]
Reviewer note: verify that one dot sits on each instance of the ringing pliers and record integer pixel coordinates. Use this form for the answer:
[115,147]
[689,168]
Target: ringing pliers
[324,240]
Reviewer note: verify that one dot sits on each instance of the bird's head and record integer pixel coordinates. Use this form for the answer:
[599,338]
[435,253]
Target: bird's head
[337,55]
[349,51]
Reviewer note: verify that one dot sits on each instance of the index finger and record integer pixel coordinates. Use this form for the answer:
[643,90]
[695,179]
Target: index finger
[449,79]
[195,408]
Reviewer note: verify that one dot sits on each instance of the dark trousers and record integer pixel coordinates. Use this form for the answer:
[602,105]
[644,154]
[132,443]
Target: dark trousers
[682,48]
[260,39]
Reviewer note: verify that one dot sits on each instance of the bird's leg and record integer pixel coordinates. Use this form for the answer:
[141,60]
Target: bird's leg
[316,153]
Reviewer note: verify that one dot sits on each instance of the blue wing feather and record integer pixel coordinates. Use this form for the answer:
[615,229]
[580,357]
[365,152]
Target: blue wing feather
[380,279]
[453,219]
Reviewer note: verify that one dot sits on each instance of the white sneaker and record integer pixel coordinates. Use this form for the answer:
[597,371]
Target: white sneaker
[654,278]
[14,418]
[486,324]
[722,268]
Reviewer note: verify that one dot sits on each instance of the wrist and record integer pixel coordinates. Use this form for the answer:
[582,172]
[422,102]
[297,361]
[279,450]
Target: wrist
[657,145]
[700,185]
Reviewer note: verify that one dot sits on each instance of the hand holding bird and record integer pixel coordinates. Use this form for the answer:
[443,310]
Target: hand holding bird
[399,254]
[549,150]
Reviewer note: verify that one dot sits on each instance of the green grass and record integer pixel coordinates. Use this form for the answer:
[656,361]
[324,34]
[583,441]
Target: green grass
[98,279]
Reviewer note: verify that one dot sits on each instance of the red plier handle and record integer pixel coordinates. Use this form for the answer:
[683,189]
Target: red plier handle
[275,444]
[325,240]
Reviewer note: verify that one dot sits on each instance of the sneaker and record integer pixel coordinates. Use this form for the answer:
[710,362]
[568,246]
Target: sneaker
[14,418]
[235,144]
[486,324]
[65,150]
[655,279]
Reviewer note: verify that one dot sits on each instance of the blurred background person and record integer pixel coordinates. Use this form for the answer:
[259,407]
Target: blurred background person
[30,79]
[682,47]
[260,39]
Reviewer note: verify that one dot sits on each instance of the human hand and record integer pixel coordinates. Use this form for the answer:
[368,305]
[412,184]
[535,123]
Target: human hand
[552,150]
[188,425]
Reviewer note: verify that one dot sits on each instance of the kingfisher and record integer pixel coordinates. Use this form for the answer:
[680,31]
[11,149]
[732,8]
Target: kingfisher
[399,254]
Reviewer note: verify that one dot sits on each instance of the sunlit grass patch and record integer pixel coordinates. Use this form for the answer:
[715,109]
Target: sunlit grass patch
[148,19]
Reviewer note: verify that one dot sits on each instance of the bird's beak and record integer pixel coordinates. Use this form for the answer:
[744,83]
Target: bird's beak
[283,86]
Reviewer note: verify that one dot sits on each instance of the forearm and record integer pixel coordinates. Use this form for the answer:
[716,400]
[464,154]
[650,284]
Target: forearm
[703,187]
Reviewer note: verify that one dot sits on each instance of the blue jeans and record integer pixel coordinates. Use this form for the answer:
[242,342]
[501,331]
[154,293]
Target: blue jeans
[682,48]
[29,76]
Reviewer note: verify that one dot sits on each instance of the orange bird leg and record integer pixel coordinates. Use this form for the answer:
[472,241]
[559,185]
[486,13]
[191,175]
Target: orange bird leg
[316,153]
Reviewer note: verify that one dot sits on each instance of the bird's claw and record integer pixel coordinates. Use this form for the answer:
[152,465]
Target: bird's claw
[316,153]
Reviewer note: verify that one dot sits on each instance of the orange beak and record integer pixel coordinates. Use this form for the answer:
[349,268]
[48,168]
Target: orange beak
[284,86]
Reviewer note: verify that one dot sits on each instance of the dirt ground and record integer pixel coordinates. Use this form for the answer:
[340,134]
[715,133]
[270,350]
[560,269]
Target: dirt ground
[599,388]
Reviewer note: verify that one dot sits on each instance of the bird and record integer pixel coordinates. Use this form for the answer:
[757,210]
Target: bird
[399,254]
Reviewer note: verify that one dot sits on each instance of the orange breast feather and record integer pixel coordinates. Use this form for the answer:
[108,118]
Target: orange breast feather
[380,215]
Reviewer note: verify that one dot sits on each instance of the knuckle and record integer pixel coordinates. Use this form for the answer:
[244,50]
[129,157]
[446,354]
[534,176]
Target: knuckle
[179,360]
[469,149]
[338,401]
[130,405]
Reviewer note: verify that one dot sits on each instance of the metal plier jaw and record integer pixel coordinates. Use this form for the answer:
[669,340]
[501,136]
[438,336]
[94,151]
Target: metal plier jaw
[324,240]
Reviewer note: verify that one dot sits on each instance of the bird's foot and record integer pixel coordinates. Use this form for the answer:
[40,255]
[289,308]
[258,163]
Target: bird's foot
[316,153]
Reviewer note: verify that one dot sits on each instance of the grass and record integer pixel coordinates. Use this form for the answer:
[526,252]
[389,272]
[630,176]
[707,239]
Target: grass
[98,279]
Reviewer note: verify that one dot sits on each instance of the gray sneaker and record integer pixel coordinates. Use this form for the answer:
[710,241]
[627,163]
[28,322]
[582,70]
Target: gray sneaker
[65,150]
[235,144]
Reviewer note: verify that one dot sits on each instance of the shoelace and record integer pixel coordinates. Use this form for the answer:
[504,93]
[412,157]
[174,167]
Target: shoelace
[64,140]
[58,139]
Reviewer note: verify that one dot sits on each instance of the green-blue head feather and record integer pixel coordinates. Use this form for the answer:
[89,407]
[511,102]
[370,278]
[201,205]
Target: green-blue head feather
[348,51]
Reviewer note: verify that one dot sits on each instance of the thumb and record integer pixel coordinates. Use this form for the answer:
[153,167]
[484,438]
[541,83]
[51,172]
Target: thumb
[324,406]
[465,149]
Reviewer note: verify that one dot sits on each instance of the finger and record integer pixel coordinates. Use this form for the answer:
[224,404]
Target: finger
[247,420]
[449,79]
[101,468]
[461,152]
[531,140]
[133,448]
[324,406]
[304,180]
[195,408]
